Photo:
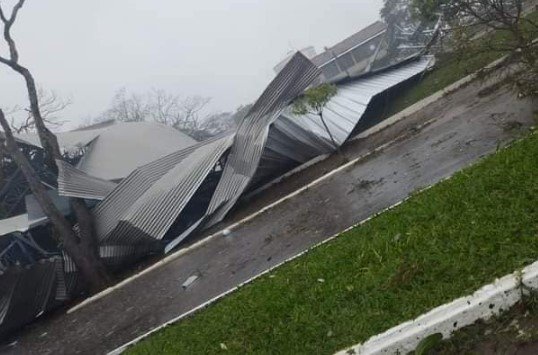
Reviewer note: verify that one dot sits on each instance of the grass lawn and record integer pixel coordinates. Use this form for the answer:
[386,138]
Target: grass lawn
[441,244]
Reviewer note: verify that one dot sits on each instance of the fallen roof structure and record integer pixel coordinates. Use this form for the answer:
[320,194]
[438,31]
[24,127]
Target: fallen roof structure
[187,186]
[115,150]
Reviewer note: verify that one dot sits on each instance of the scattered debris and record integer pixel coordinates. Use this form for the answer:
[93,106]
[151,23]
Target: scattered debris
[190,281]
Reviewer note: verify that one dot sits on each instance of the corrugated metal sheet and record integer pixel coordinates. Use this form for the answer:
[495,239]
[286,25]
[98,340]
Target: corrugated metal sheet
[251,134]
[115,150]
[123,147]
[153,213]
[73,182]
[134,212]
[27,293]
[375,29]
[270,139]
[346,108]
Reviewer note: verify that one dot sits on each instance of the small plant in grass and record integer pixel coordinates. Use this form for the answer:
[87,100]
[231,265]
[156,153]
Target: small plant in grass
[313,102]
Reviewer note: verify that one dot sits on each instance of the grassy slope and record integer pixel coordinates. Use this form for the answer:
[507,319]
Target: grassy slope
[449,69]
[441,244]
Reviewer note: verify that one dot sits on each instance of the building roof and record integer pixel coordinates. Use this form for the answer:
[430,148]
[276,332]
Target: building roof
[114,149]
[122,147]
[351,42]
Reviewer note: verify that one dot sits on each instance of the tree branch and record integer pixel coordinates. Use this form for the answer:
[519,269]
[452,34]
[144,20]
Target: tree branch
[14,55]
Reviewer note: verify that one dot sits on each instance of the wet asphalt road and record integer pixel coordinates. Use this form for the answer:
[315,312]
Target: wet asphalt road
[467,126]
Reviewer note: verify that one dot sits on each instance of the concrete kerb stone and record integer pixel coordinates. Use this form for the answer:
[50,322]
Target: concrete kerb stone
[488,301]
[121,349]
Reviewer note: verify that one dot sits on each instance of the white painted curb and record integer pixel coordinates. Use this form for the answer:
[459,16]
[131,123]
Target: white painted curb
[483,304]
[122,348]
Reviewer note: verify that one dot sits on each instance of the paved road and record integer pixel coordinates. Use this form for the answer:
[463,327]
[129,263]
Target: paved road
[467,126]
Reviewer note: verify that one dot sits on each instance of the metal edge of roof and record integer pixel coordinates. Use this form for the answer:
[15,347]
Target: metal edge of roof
[251,135]
[73,182]
[113,208]
[153,213]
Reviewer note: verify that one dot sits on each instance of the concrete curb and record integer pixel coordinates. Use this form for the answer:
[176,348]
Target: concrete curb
[488,301]
[122,348]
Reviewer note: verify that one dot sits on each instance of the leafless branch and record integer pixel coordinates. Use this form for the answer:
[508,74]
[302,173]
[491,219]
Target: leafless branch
[8,22]
[49,104]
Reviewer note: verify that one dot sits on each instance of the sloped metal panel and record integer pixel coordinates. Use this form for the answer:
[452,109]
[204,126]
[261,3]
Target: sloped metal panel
[123,147]
[120,218]
[73,182]
[151,215]
[251,134]
[346,108]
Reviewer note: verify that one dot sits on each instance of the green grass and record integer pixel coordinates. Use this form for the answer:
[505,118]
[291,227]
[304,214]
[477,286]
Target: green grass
[441,244]
[448,70]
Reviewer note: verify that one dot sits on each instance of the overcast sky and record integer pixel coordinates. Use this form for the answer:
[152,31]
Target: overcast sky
[225,49]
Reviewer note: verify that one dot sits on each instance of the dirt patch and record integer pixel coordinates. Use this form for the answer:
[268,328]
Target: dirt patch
[512,333]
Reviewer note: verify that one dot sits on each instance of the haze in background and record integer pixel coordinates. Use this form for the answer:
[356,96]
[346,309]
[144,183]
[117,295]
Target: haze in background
[224,49]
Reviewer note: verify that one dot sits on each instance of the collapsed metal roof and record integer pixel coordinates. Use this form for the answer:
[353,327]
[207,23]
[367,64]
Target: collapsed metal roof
[186,186]
[115,150]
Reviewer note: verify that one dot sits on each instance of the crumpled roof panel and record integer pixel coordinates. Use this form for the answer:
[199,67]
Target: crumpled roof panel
[123,147]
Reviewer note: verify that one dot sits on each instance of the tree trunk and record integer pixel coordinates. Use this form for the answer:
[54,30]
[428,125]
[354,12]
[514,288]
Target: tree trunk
[83,249]
[336,145]
[78,249]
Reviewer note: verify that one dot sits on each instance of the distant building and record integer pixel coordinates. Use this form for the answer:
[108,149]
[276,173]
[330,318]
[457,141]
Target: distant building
[350,57]
[309,52]
[353,55]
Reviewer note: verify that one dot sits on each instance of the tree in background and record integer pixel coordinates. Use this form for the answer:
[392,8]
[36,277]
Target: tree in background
[82,246]
[313,102]
[49,105]
[184,114]
[491,26]
[241,113]
[397,15]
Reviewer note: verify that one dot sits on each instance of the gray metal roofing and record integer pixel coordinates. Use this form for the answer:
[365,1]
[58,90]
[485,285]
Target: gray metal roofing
[251,134]
[14,224]
[147,202]
[346,108]
[122,147]
[141,209]
[28,292]
[73,182]
[114,150]
[351,42]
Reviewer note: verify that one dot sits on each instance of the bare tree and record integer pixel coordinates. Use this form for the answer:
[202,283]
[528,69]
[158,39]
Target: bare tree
[82,247]
[159,106]
[49,104]
[127,107]
[188,117]
[172,110]
[164,107]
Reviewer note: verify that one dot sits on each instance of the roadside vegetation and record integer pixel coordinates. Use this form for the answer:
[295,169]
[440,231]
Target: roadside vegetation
[452,66]
[440,244]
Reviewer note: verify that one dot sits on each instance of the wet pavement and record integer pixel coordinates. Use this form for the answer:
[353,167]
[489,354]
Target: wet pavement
[465,127]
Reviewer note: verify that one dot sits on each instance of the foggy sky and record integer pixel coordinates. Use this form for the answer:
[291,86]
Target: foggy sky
[225,49]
